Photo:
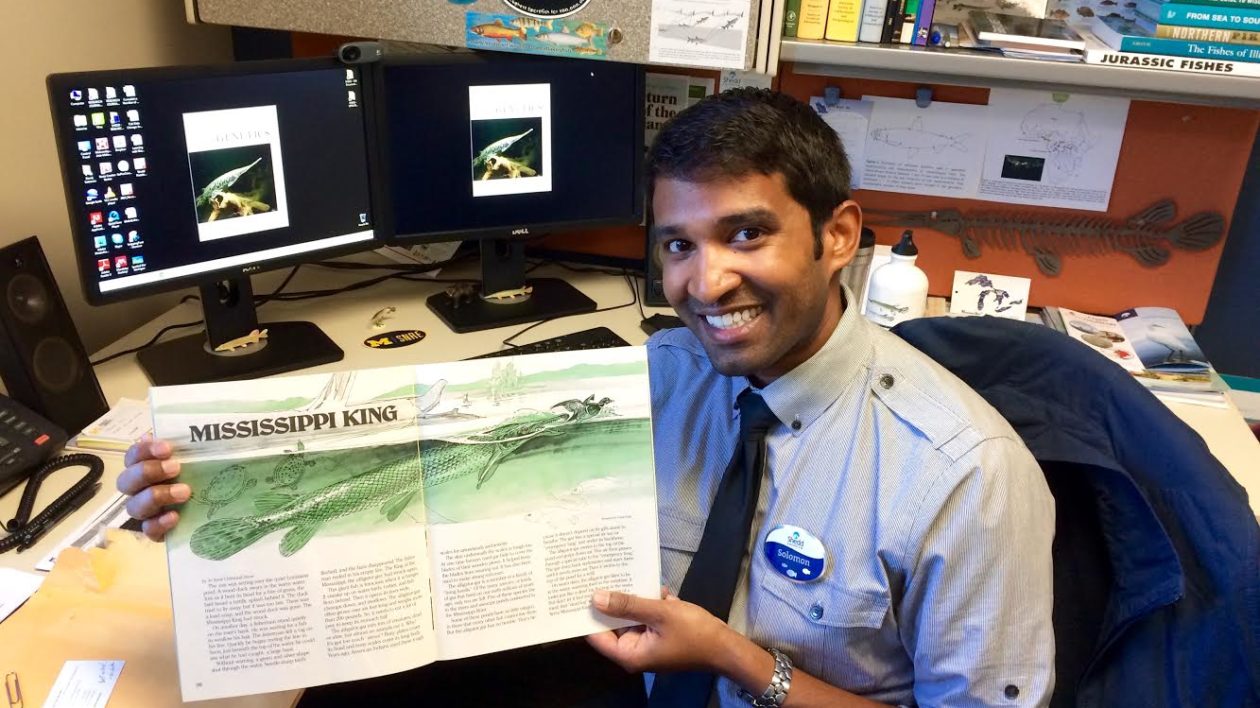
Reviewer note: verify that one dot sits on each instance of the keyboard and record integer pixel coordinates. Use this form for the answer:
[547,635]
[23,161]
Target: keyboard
[597,338]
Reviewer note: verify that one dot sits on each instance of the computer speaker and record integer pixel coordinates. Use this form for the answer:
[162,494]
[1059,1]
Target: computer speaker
[42,361]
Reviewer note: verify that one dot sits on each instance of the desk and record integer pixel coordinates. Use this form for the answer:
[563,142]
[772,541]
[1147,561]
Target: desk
[346,317]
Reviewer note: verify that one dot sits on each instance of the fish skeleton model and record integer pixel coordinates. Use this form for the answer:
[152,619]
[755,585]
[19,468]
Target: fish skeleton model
[390,486]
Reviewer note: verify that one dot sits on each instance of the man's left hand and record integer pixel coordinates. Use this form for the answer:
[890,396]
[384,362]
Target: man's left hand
[676,636]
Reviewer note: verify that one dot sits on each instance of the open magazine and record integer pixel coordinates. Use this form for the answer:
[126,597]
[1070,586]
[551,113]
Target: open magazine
[349,525]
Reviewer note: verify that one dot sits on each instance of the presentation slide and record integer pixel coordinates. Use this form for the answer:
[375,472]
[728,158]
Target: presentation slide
[237,171]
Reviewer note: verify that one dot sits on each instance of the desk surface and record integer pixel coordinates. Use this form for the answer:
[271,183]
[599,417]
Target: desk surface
[346,319]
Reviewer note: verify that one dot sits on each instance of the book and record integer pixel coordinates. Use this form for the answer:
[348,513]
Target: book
[1164,62]
[1208,34]
[665,96]
[791,15]
[1128,37]
[1235,18]
[892,22]
[354,524]
[843,20]
[909,13]
[813,19]
[1222,3]
[1071,11]
[873,14]
[923,22]
[956,13]
[999,30]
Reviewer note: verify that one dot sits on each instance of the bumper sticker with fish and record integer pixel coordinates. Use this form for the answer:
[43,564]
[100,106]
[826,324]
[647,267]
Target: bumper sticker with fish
[547,35]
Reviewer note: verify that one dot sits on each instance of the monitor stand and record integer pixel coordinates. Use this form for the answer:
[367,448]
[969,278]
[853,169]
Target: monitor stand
[229,348]
[506,296]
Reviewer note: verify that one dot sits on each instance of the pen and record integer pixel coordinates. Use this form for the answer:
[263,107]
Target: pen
[13,690]
[32,533]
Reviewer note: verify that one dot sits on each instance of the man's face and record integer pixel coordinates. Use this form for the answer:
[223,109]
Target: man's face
[739,268]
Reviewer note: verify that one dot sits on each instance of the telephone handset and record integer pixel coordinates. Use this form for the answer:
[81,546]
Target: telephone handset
[27,440]
[27,444]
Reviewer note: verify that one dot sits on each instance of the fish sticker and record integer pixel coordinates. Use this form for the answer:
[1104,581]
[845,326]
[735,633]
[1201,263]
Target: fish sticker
[551,35]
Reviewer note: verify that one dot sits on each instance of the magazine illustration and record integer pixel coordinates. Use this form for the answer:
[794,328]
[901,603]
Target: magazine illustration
[354,524]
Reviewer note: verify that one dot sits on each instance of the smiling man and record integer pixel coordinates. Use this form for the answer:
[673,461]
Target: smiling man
[897,542]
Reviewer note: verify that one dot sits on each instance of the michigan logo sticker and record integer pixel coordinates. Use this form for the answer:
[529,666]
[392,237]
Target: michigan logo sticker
[394,340]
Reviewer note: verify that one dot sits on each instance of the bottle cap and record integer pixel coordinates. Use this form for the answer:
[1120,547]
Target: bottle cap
[906,247]
[868,238]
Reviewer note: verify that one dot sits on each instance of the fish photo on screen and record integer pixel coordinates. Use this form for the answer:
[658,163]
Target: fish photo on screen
[233,182]
[506,148]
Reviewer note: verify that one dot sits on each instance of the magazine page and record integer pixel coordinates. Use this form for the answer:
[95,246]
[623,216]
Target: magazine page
[1172,359]
[300,559]
[546,493]
[1103,335]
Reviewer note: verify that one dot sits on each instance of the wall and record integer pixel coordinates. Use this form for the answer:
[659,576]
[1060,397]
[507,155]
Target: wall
[69,35]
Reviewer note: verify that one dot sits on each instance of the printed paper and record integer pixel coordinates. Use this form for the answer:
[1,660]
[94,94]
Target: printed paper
[15,588]
[986,294]
[84,684]
[850,119]
[712,33]
[938,150]
[1053,149]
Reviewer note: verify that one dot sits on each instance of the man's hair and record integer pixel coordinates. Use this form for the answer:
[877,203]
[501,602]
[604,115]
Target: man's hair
[747,130]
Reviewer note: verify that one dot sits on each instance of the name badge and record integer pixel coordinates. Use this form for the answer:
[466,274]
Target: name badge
[795,553]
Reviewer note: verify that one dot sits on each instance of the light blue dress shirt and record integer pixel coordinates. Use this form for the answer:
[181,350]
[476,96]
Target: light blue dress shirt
[936,520]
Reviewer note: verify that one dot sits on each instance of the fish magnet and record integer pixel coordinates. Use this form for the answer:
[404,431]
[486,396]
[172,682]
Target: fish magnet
[795,553]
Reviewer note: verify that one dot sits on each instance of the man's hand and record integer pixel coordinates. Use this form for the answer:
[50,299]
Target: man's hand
[147,479]
[678,635]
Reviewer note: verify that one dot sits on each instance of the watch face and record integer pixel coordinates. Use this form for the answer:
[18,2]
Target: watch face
[546,8]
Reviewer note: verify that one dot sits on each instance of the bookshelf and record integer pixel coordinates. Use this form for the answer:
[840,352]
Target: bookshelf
[929,65]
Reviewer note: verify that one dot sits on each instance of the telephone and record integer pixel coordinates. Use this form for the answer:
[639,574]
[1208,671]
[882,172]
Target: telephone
[27,441]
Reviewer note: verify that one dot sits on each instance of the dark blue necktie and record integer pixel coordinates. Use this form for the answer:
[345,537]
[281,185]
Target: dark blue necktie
[714,571]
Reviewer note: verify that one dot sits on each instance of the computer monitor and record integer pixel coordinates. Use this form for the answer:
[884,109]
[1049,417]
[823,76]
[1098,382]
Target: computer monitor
[503,148]
[202,176]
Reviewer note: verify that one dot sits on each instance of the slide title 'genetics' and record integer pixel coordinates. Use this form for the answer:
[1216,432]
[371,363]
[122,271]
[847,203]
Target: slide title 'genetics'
[291,424]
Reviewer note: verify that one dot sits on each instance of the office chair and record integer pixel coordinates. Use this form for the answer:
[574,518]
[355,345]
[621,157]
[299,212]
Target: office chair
[1156,552]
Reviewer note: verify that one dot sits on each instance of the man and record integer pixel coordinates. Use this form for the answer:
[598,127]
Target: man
[928,522]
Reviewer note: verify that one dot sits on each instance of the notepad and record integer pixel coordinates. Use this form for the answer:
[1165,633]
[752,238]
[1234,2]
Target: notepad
[84,684]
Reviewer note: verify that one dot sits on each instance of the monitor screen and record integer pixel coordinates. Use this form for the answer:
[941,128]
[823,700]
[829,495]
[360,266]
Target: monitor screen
[492,146]
[177,177]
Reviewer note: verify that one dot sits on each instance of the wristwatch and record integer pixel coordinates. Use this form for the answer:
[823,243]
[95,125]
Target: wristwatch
[780,682]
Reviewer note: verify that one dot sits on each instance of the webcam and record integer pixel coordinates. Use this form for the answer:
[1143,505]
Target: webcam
[360,52]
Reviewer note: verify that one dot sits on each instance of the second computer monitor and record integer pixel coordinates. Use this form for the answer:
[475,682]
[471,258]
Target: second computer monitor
[508,147]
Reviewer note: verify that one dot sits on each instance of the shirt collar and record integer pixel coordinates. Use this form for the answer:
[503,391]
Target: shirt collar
[802,394]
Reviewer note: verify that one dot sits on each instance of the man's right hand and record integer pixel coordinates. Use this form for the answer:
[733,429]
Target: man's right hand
[147,480]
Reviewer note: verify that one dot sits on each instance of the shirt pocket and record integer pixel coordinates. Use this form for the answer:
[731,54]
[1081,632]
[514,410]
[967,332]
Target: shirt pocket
[833,633]
[680,537]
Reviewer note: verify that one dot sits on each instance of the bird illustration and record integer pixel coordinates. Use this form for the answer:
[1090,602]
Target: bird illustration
[1164,337]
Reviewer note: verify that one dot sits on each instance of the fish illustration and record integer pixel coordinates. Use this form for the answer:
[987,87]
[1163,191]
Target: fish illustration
[1146,236]
[587,30]
[561,39]
[226,487]
[498,30]
[916,138]
[390,487]
[524,23]
[223,182]
[590,51]
[498,147]
[290,470]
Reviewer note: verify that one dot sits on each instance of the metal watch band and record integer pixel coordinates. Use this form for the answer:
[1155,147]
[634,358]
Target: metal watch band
[780,682]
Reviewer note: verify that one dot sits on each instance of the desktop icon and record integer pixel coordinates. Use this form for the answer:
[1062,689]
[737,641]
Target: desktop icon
[137,262]
[126,189]
[133,116]
[85,146]
[100,242]
[131,212]
[94,95]
[76,95]
[124,166]
[114,118]
[133,237]
[80,121]
[362,218]
[87,170]
[109,193]
[95,218]
[137,140]
[98,120]
[102,144]
[120,142]
[350,97]
[114,218]
[129,91]
[120,263]
[140,164]
[117,239]
[106,168]
[111,93]
[349,76]
[93,194]
[102,265]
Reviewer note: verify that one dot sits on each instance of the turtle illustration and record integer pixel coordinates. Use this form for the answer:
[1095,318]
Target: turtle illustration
[290,470]
[223,182]
[226,487]
[498,147]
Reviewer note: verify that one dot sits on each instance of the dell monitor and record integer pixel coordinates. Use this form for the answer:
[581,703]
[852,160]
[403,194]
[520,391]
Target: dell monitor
[503,148]
[179,177]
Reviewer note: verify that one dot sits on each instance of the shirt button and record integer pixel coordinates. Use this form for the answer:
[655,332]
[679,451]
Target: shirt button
[815,611]
[1011,692]
[886,381]
[796,424]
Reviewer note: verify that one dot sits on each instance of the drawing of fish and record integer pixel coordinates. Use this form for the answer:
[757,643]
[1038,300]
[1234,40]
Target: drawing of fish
[524,23]
[223,182]
[498,147]
[498,30]
[561,39]
[390,487]
[587,30]
[591,51]
[916,138]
